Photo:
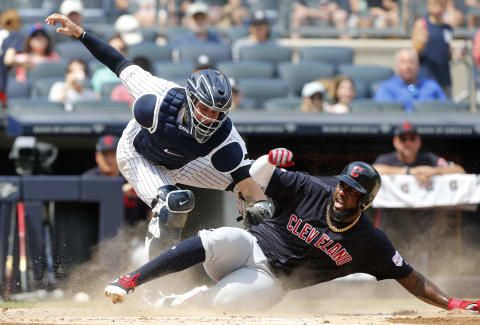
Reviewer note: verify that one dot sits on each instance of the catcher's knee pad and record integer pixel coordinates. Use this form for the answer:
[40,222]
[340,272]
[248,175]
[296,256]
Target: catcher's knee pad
[170,207]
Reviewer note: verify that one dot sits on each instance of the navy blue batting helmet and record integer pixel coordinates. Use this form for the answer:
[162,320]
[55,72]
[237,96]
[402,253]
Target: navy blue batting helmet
[363,178]
[213,89]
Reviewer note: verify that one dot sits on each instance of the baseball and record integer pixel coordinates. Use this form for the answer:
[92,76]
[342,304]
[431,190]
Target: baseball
[81,297]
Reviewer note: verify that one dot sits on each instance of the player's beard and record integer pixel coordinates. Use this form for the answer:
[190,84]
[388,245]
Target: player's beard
[340,216]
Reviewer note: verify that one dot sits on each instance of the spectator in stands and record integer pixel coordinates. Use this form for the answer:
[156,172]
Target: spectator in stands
[73,89]
[406,86]
[105,157]
[203,62]
[431,38]
[147,14]
[343,94]
[120,93]
[238,100]
[259,33]
[105,75]
[453,16]
[232,13]
[326,12]
[472,19]
[116,9]
[128,27]
[197,22]
[384,13]
[73,9]
[407,160]
[314,97]
[11,43]
[38,48]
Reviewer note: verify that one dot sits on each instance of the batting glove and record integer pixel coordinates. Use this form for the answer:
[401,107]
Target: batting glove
[256,213]
[280,157]
[472,306]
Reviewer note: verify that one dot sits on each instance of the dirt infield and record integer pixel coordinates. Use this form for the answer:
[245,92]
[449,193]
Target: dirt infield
[337,303]
[359,302]
[391,312]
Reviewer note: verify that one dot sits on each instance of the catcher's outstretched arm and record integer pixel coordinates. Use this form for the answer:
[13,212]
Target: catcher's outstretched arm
[100,49]
[424,289]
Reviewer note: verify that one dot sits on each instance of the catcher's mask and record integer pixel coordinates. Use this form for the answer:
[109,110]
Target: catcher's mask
[363,178]
[213,89]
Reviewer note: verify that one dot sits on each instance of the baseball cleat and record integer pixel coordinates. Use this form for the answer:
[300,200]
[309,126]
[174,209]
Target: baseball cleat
[121,287]
[175,300]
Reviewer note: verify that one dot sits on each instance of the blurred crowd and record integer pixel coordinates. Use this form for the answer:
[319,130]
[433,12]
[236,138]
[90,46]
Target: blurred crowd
[173,38]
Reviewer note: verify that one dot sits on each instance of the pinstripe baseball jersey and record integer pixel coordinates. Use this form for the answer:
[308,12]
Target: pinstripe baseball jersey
[165,139]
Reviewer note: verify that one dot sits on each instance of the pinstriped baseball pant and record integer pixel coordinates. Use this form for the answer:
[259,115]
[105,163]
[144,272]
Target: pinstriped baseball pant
[146,177]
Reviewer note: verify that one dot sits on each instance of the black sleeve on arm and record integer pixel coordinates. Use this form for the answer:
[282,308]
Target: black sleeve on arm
[104,53]
[240,174]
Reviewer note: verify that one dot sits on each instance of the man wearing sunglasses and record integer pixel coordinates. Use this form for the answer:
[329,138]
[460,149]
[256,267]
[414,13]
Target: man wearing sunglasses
[408,160]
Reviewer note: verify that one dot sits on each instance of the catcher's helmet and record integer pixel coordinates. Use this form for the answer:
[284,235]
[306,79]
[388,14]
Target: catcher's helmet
[363,178]
[212,88]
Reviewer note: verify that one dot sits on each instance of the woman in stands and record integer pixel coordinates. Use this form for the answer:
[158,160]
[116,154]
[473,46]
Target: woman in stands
[38,48]
[343,94]
[73,89]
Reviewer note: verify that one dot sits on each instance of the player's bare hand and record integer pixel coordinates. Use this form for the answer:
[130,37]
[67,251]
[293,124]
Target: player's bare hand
[280,157]
[68,26]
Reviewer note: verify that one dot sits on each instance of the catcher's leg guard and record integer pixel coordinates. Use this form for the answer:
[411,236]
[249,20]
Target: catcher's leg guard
[170,207]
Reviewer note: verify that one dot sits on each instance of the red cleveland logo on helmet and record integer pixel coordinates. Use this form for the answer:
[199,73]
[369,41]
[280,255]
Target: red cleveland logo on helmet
[356,170]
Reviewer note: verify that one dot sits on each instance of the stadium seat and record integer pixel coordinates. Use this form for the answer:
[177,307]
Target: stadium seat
[173,32]
[262,89]
[235,32]
[268,53]
[182,82]
[102,105]
[149,34]
[103,31]
[328,54]
[16,105]
[17,89]
[282,104]
[150,50]
[93,16]
[107,88]
[41,87]
[94,66]
[215,52]
[366,73]
[297,75]
[74,50]
[169,71]
[440,107]
[247,69]
[54,69]
[362,89]
[370,106]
